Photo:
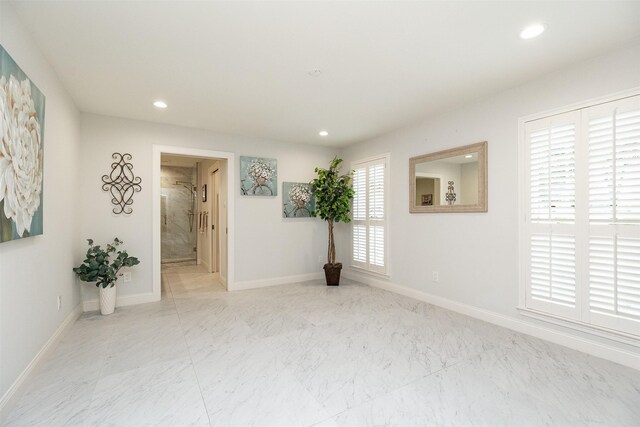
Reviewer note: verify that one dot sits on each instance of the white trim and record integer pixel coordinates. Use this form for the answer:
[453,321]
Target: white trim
[611,334]
[17,389]
[360,270]
[523,253]
[275,281]
[123,301]
[158,150]
[594,348]
[582,104]
[386,155]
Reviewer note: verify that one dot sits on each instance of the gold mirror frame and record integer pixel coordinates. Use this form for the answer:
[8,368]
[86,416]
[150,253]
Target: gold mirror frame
[482,205]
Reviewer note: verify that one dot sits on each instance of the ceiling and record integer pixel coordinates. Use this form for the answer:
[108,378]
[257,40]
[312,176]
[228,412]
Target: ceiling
[243,67]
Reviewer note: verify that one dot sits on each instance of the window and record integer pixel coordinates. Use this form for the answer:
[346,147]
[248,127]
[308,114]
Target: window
[581,229]
[369,214]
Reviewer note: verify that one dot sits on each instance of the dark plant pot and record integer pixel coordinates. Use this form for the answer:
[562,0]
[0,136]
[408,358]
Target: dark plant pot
[332,273]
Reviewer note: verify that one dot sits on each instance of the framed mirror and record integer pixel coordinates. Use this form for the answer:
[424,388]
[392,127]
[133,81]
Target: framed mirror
[452,180]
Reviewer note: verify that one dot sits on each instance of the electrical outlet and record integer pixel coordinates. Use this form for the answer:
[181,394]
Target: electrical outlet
[319,258]
[59,302]
[126,276]
[435,277]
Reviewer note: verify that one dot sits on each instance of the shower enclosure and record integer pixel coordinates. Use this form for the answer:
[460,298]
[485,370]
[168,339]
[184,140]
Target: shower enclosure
[178,211]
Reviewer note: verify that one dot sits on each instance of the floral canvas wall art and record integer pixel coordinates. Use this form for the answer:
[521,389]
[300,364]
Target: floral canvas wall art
[258,176]
[21,152]
[297,200]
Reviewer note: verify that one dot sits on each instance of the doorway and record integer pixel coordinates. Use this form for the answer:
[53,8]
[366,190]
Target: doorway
[429,189]
[193,196]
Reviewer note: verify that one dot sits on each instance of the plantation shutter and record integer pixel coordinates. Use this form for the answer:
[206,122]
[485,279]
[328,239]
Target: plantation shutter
[551,181]
[359,217]
[369,228]
[582,225]
[613,139]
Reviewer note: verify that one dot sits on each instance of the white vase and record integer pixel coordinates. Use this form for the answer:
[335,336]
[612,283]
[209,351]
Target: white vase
[107,299]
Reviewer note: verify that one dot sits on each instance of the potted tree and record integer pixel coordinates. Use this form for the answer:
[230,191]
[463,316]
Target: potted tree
[103,267]
[333,194]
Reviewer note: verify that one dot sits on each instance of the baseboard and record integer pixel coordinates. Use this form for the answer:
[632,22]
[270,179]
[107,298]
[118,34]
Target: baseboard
[94,304]
[13,394]
[275,281]
[595,348]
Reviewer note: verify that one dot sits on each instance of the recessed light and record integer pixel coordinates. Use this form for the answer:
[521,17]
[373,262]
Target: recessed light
[468,156]
[160,104]
[533,30]
[323,133]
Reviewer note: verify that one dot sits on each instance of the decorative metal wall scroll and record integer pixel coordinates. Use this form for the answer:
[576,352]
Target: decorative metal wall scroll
[121,183]
[451,195]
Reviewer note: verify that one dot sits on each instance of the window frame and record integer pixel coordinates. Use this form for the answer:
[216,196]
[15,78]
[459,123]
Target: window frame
[581,321]
[385,272]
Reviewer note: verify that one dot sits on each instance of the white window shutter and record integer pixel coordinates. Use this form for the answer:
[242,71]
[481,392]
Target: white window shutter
[613,140]
[359,217]
[369,227]
[553,272]
[581,234]
[359,211]
[376,191]
[551,166]
[614,276]
[360,244]
[552,173]
[628,277]
[627,132]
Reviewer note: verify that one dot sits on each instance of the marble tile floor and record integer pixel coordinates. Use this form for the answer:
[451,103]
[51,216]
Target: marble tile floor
[306,354]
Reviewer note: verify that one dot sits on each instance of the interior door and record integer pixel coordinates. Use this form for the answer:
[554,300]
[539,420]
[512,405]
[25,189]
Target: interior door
[214,183]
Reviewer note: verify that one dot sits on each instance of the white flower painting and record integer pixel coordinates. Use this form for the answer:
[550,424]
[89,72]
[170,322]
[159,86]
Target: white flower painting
[258,176]
[297,200]
[21,152]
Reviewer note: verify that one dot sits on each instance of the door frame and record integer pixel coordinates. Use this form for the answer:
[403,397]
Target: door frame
[213,181]
[158,151]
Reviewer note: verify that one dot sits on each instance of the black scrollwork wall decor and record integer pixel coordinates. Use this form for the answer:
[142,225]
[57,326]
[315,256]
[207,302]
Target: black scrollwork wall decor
[121,183]
[450,197]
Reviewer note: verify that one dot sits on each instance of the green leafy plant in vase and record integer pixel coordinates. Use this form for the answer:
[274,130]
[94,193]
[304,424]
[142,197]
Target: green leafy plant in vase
[102,266]
[333,194]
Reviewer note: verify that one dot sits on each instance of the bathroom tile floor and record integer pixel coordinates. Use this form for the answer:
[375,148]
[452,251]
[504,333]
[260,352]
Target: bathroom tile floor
[307,354]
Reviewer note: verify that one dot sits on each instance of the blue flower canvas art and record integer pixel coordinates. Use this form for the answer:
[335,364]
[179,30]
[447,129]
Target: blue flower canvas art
[297,200]
[258,176]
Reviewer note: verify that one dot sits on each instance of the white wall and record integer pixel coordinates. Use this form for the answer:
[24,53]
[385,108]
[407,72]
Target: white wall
[266,247]
[476,254]
[35,270]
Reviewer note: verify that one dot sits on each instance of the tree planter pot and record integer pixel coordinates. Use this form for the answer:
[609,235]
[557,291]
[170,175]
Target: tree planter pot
[332,273]
[107,299]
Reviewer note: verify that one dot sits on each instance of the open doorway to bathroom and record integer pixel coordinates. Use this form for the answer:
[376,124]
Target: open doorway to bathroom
[192,231]
[192,212]
[178,209]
